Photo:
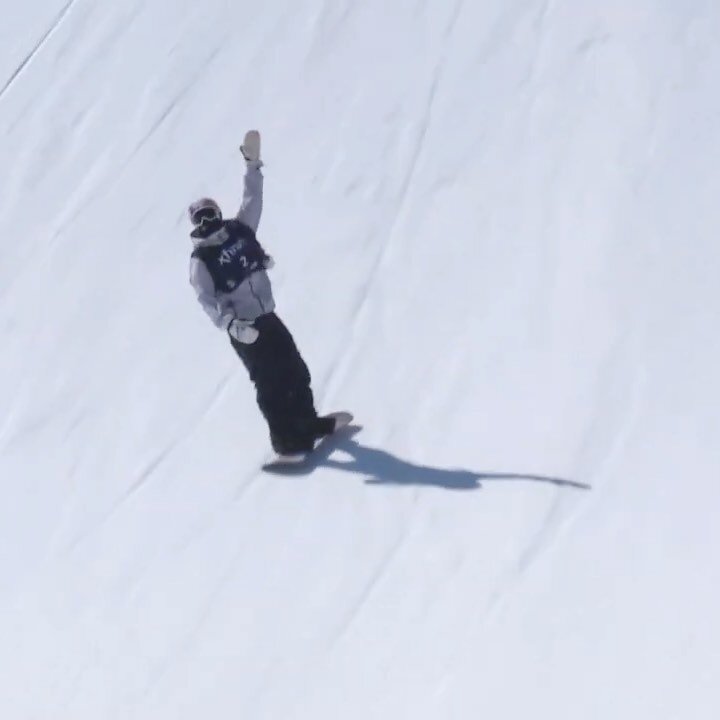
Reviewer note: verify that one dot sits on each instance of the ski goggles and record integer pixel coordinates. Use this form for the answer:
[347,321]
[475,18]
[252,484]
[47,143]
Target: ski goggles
[204,214]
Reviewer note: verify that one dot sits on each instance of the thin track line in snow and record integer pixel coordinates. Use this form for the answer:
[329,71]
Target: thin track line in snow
[38,46]
[370,586]
[194,628]
[187,431]
[153,465]
[404,188]
[564,512]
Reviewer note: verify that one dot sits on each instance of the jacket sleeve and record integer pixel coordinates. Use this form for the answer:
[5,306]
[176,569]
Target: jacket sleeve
[204,287]
[252,201]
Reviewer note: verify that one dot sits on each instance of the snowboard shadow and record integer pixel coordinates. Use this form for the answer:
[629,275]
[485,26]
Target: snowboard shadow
[382,468]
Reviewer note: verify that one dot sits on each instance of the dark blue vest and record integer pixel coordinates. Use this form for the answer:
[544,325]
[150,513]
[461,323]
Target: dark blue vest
[234,259]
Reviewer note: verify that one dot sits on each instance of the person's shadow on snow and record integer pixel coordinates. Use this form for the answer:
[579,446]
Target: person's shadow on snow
[382,468]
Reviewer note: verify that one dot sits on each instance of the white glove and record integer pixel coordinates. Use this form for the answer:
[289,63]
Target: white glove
[250,148]
[243,331]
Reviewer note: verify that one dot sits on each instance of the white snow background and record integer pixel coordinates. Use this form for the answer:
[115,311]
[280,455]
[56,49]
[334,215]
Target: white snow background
[496,228]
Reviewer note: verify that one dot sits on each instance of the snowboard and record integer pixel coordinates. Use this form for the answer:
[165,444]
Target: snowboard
[342,420]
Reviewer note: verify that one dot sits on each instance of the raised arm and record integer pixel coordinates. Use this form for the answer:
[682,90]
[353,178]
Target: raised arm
[252,201]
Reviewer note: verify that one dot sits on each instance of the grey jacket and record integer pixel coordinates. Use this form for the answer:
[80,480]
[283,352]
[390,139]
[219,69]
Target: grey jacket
[252,297]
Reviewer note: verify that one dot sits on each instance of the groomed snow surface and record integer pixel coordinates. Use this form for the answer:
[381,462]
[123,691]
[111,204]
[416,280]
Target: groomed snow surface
[496,233]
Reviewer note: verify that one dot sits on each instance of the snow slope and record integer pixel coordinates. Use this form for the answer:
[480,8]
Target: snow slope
[495,227]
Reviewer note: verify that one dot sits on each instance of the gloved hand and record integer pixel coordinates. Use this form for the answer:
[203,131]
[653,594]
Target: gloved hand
[243,331]
[250,148]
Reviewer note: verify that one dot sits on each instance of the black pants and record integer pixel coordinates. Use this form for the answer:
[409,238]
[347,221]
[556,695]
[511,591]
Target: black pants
[282,382]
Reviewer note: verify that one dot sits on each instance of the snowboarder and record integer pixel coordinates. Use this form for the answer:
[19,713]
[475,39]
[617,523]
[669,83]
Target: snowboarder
[228,269]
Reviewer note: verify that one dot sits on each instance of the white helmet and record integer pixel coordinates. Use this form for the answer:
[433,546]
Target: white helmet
[204,210]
